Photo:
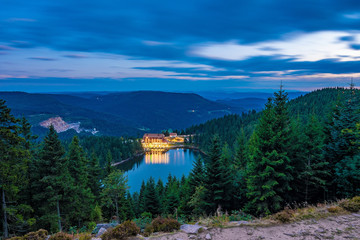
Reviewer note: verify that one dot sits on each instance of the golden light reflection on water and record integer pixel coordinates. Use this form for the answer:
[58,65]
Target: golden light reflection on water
[164,157]
[157,157]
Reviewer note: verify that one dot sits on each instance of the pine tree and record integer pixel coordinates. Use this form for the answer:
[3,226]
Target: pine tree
[52,176]
[342,148]
[315,173]
[227,177]
[197,174]
[82,199]
[269,168]
[108,163]
[151,198]
[94,175]
[214,191]
[13,162]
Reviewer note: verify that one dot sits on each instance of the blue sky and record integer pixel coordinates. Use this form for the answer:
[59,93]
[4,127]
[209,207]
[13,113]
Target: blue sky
[186,45]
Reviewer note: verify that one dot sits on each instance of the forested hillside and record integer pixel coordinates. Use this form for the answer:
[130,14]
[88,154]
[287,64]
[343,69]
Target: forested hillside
[282,162]
[319,103]
[115,114]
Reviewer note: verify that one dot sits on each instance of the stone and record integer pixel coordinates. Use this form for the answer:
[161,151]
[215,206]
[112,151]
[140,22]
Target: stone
[101,232]
[191,229]
[95,238]
[208,237]
[240,222]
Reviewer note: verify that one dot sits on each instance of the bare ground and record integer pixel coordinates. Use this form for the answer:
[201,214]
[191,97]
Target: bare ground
[335,227]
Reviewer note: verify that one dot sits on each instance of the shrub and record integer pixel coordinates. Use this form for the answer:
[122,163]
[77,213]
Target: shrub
[40,234]
[61,236]
[334,209]
[165,224]
[239,216]
[84,236]
[16,238]
[352,205]
[142,222]
[122,231]
[284,216]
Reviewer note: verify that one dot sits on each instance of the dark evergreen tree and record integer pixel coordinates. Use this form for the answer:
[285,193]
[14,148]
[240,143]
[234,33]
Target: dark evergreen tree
[53,178]
[342,147]
[214,191]
[197,174]
[269,168]
[151,198]
[82,199]
[13,165]
[315,167]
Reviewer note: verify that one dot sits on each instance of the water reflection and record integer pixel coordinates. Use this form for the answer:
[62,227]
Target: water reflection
[158,165]
[157,157]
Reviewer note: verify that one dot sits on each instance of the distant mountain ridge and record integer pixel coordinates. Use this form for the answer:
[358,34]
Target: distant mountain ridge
[116,114]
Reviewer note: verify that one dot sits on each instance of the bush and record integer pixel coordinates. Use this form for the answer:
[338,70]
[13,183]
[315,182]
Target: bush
[84,236]
[239,216]
[284,216]
[142,222]
[165,224]
[40,234]
[61,236]
[122,231]
[334,209]
[160,224]
[352,205]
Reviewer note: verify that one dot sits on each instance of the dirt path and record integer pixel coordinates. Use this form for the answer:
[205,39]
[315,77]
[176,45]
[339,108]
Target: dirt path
[337,228]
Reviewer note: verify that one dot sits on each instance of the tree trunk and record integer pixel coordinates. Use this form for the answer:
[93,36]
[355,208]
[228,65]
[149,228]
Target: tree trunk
[117,210]
[5,223]
[59,217]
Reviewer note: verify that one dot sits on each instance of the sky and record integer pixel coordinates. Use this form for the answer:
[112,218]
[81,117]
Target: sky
[187,45]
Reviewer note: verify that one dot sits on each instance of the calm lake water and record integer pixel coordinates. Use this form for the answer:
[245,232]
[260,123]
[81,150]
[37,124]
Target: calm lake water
[158,165]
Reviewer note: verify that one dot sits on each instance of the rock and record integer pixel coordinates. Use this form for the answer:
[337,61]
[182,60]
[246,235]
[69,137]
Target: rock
[191,229]
[356,215]
[240,222]
[101,232]
[208,237]
[95,238]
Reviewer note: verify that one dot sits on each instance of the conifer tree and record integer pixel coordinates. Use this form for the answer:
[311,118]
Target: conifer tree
[342,149]
[197,174]
[269,168]
[141,202]
[227,177]
[82,199]
[13,162]
[52,176]
[315,172]
[214,192]
[94,175]
[108,163]
[151,198]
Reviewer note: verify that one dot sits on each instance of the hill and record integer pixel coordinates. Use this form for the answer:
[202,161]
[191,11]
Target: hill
[116,114]
[319,103]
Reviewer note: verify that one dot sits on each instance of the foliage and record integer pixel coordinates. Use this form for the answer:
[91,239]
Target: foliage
[122,231]
[351,205]
[61,236]
[160,224]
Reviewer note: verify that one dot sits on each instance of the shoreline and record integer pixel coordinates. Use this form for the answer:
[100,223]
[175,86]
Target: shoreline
[144,151]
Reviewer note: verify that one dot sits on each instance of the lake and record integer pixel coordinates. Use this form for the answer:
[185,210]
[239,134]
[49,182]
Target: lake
[158,165]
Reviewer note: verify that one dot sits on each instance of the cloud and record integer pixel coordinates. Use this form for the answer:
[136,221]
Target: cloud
[309,47]
[75,56]
[42,58]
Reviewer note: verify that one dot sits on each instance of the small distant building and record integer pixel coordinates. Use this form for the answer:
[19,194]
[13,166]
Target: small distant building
[173,135]
[154,138]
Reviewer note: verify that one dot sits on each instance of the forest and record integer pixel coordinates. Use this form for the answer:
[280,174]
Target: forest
[255,164]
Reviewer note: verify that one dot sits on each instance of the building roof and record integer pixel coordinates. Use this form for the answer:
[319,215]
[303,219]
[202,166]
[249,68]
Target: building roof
[154,135]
